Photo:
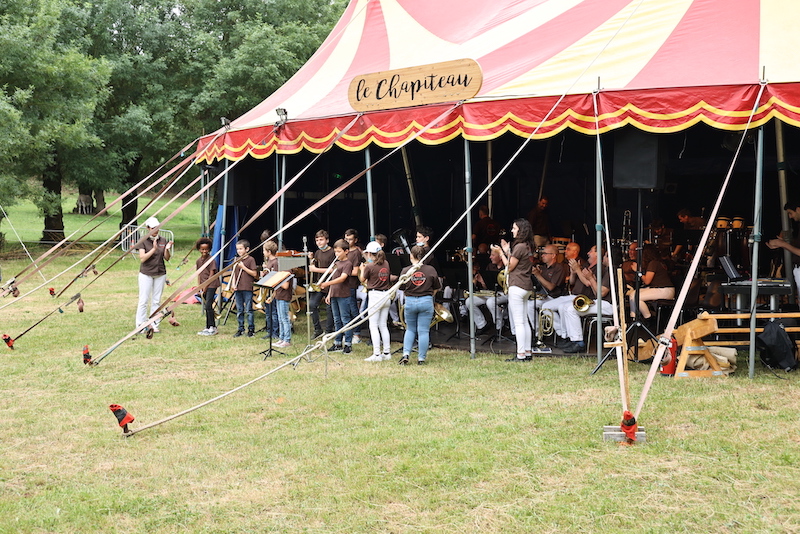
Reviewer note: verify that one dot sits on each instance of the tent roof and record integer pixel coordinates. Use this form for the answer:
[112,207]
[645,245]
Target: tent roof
[661,66]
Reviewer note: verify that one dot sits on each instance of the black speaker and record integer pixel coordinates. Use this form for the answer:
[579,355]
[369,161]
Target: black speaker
[640,159]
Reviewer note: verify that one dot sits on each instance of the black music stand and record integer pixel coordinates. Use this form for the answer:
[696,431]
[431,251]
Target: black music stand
[459,277]
[270,282]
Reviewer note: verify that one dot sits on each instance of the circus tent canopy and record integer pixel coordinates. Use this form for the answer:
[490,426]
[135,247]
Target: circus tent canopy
[660,66]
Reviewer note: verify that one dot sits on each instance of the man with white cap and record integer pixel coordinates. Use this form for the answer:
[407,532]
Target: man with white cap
[153,250]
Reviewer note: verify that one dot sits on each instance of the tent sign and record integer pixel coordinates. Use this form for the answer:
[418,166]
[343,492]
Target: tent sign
[414,86]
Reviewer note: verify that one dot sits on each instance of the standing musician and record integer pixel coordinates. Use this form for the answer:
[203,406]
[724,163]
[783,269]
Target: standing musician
[321,260]
[339,297]
[243,275]
[517,257]
[152,271]
[572,255]
[204,245]
[540,225]
[376,275]
[586,285]
[356,258]
[550,275]
[419,310]
[270,265]
[793,245]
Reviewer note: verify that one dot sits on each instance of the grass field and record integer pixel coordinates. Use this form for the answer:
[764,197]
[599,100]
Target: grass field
[458,446]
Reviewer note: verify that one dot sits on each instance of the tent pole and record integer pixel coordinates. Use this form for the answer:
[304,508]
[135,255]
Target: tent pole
[490,195]
[756,244]
[222,227]
[282,205]
[786,228]
[544,168]
[470,286]
[370,202]
[598,169]
[411,192]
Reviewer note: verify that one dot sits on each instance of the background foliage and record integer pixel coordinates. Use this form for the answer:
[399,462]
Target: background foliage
[97,94]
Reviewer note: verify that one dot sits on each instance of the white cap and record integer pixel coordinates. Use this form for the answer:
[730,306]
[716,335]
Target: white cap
[373,247]
[152,222]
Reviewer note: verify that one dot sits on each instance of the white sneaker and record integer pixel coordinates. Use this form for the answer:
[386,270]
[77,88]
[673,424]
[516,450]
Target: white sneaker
[204,332]
[386,356]
[356,340]
[374,358]
[212,331]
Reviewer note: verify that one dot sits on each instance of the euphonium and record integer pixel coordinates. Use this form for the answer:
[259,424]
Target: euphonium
[546,323]
[440,313]
[502,279]
[581,303]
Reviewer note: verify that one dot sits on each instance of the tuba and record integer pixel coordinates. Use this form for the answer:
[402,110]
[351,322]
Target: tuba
[581,303]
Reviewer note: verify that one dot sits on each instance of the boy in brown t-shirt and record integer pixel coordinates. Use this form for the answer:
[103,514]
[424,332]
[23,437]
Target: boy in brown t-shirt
[243,275]
[339,297]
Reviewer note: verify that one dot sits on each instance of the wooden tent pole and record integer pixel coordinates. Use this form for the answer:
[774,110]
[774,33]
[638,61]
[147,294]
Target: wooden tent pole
[411,192]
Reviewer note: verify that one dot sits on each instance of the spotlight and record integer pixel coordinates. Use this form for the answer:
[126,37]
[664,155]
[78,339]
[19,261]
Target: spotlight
[283,116]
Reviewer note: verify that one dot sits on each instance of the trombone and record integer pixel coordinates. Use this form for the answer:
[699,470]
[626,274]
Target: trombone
[315,287]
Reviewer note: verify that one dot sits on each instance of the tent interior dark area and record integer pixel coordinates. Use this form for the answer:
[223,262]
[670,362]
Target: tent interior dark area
[692,166]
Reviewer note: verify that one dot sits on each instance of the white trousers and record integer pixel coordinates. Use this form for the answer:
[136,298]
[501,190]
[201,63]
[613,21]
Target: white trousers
[379,314]
[498,311]
[649,293]
[477,302]
[571,318]
[518,315]
[150,289]
[555,305]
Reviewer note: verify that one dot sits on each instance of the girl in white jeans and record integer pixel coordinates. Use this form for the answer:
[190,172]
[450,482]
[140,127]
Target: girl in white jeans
[517,257]
[378,279]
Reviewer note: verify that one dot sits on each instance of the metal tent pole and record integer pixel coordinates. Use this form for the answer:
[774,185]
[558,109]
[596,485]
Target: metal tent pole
[370,202]
[470,285]
[223,225]
[756,244]
[599,245]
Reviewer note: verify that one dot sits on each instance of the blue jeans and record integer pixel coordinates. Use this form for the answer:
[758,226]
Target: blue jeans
[341,316]
[244,307]
[353,310]
[271,311]
[418,314]
[283,319]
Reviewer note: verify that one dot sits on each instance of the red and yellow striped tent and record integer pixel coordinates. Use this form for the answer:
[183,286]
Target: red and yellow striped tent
[659,65]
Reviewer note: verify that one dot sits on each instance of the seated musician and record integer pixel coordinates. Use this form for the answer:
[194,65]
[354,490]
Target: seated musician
[550,277]
[572,256]
[629,265]
[655,283]
[480,284]
[571,317]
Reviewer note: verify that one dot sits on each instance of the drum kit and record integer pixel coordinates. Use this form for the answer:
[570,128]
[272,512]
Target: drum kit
[729,237]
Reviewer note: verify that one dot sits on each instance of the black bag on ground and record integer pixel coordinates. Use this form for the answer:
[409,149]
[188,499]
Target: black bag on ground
[776,348]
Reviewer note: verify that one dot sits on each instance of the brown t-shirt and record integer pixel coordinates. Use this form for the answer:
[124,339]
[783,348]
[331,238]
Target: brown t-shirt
[661,276]
[340,290]
[208,272]
[521,275]
[154,265]
[272,265]
[283,294]
[323,258]
[422,283]
[354,257]
[378,277]
[556,274]
[243,281]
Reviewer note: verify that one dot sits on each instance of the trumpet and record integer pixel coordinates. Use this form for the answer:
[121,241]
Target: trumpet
[581,303]
[315,287]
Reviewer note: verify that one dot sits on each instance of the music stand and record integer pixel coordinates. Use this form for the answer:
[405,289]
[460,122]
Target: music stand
[270,282]
[459,278]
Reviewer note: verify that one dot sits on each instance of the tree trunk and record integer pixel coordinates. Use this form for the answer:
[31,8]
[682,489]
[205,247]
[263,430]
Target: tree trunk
[99,200]
[53,215]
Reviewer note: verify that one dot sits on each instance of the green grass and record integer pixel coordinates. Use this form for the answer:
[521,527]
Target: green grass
[459,445]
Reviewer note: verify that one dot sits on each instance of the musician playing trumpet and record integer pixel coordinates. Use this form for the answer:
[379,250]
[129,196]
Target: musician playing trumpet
[518,259]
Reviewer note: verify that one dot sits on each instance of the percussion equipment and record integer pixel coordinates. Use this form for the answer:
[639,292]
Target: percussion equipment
[723,223]
[737,223]
[561,243]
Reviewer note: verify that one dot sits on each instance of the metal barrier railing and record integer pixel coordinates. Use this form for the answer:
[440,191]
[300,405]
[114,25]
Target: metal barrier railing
[130,236]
